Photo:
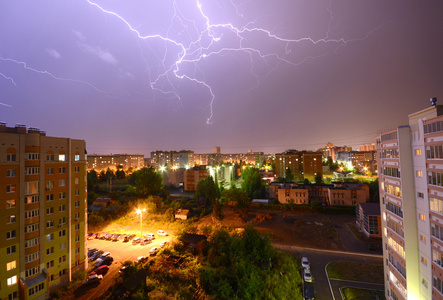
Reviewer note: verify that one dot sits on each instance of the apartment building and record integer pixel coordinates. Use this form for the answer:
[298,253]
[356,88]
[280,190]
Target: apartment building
[303,164]
[113,161]
[410,170]
[43,192]
[173,159]
[193,176]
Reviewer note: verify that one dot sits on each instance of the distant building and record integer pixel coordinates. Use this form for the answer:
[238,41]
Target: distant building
[43,193]
[172,159]
[303,164]
[367,147]
[348,194]
[216,150]
[293,195]
[182,214]
[101,203]
[193,176]
[113,161]
[331,151]
[368,219]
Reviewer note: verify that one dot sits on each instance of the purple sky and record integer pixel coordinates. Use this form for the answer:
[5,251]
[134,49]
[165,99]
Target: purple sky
[137,76]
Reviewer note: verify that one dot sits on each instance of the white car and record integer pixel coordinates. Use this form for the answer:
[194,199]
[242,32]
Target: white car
[305,263]
[162,244]
[307,275]
[161,232]
[153,251]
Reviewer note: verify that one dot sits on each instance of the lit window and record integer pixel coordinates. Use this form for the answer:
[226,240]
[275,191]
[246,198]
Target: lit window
[10,173]
[12,280]
[77,157]
[422,217]
[61,157]
[419,173]
[11,265]
[417,151]
[423,238]
[10,188]
[424,260]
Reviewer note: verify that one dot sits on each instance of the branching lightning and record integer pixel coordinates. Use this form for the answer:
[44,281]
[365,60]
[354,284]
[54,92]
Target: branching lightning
[8,78]
[209,38]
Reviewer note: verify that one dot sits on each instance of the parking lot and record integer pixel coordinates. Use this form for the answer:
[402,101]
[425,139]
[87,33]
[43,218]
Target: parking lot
[121,252]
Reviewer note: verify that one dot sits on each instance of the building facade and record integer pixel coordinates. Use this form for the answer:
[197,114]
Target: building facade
[43,188]
[411,191]
[303,164]
[172,159]
[113,161]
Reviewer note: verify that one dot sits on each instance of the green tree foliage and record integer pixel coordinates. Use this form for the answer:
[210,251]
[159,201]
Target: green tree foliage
[206,187]
[238,195]
[120,174]
[318,178]
[374,191]
[252,183]
[146,182]
[246,266]
[92,180]
[288,175]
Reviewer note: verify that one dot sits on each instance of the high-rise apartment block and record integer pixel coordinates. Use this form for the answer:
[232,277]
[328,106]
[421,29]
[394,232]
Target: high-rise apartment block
[410,171]
[303,164]
[127,162]
[43,210]
[173,159]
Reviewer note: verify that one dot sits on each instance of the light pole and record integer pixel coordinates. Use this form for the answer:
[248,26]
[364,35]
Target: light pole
[140,211]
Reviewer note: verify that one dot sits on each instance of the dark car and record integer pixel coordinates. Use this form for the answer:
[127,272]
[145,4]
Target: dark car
[93,279]
[129,238]
[105,261]
[105,236]
[308,292]
[136,241]
[145,242]
[92,251]
[101,270]
[96,255]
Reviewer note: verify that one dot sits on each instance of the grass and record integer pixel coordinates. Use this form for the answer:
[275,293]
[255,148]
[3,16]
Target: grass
[345,270]
[361,294]
[357,233]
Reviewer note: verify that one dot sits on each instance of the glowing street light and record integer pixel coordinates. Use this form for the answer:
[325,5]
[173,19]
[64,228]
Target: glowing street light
[162,168]
[140,211]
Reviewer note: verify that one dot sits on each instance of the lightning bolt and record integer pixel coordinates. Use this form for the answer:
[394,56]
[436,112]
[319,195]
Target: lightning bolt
[8,78]
[44,72]
[4,104]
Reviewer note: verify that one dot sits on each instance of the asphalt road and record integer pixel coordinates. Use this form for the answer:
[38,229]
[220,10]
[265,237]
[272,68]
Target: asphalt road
[320,258]
[121,252]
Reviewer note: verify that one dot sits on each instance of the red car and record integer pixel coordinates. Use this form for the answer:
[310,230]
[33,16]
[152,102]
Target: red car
[91,236]
[102,270]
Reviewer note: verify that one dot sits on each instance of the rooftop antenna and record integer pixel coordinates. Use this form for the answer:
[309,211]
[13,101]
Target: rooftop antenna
[433,101]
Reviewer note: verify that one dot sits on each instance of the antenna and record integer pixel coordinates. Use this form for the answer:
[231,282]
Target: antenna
[433,101]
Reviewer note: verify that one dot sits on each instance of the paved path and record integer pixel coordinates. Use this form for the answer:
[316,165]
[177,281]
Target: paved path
[337,284]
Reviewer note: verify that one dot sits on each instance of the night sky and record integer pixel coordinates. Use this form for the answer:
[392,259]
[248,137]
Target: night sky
[137,76]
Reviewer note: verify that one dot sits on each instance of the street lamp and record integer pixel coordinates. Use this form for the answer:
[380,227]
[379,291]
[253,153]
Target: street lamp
[140,211]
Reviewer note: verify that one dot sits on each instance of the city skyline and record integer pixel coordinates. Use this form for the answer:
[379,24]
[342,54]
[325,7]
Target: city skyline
[151,76]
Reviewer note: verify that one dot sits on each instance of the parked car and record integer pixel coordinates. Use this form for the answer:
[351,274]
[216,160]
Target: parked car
[305,263]
[99,235]
[149,236]
[91,236]
[93,279]
[136,241]
[163,233]
[116,237]
[122,237]
[129,238]
[153,251]
[105,236]
[101,270]
[92,251]
[111,237]
[141,259]
[105,261]
[162,244]
[307,275]
[97,255]
[106,254]
[308,293]
[123,269]
[145,242]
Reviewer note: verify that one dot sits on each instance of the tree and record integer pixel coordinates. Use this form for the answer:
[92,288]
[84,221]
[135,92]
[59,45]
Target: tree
[288,175]
[252,183]
[92,180]
[306,181]
[120,173]
[146,182]
[318,178]
[237,195]
[207,188]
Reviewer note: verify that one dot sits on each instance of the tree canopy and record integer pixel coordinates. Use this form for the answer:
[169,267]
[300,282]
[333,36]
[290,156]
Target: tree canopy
[252,183]
[235,194]
[146,182]
[206,187]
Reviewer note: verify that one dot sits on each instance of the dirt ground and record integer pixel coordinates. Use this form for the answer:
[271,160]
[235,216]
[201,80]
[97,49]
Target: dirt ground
[286,227]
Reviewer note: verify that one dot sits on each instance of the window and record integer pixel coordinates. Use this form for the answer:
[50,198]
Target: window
[77,203]
[77,157]
[50,157]
[418,152]
[10,234]
[77,169]
[32,271]
[62,221]
[36,289]
[423,238]
[11,265]
[420,195]
[50,224]
[50,171]
[62,233]
[32,156]
[424,260]
[49,185]
[77,251]
[77,238]
[32,242]
[11,250]
[62,273]
[422,217]
[62,259]
[419,173]
[10,173]
[77,180]
[50,264]
[32,199]
[62,246]
[62,170]
[61,182]
[11,157]
[12,280]
[61,157]
[32,213]
[32,170]
[49,210]
[10,219]
[13,296]
[49,251]
[62,195]
[32,257]
[77,226]
[31,187]
[32,227]
[62,208]
[10,188]
[49,237]
[49,197]
[10,203]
